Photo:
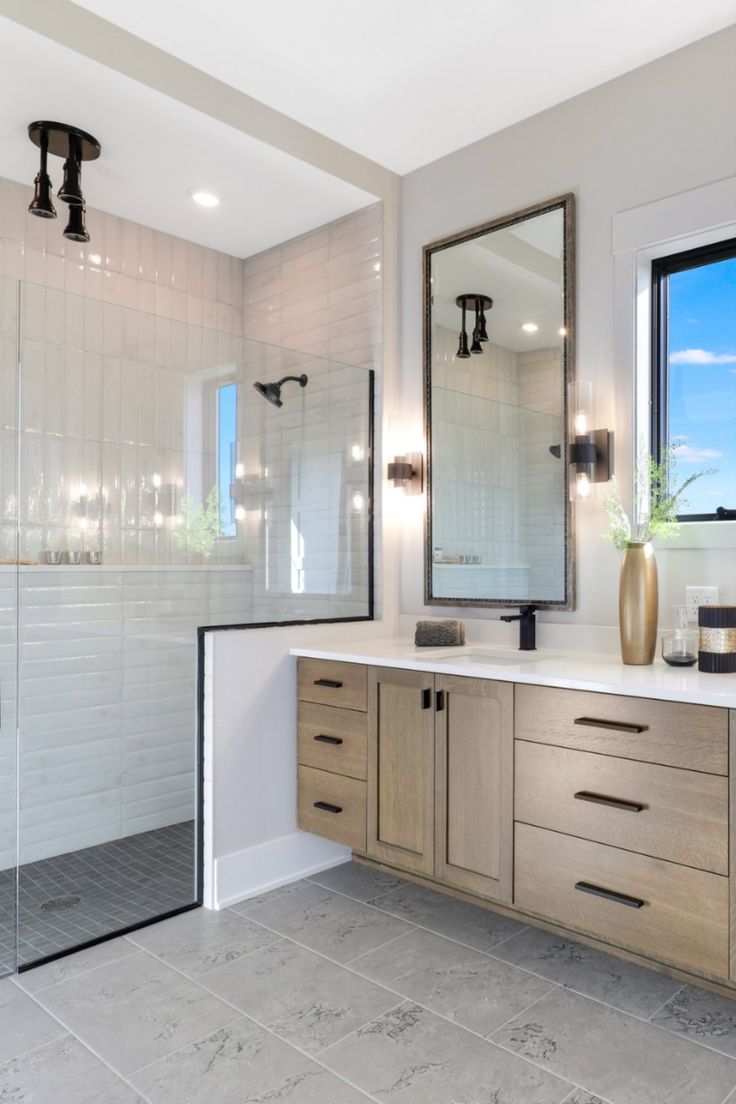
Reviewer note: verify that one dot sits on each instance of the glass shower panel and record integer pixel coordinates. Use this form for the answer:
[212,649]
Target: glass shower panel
[159,492]
[8,620]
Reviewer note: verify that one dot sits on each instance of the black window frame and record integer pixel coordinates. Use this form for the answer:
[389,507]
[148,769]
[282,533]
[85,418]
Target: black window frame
[662,269]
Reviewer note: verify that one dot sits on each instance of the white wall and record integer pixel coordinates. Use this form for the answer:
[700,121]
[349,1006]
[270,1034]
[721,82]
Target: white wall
[659,130]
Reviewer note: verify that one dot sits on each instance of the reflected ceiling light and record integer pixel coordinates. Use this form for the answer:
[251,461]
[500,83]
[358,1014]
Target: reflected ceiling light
[562,331]
[529,327]
[75,146]
[205,199]
[479,303]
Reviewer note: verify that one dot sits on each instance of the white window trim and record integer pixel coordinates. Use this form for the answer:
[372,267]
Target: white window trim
[640,235]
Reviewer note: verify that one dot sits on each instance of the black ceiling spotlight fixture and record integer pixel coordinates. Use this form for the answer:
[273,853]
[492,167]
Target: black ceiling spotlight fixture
[480,304]
[75,146]
[272,391]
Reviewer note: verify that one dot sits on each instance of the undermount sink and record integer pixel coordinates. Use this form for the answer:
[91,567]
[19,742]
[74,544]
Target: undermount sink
[493,659]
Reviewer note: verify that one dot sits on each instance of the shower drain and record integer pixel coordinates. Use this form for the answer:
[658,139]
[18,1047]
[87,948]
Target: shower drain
[58,904]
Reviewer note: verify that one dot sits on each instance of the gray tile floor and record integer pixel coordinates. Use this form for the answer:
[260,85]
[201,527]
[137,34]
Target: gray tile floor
[70,899]
[354,986]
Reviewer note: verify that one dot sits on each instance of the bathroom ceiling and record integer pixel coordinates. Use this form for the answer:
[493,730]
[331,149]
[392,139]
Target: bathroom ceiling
[156,151]
[407,81]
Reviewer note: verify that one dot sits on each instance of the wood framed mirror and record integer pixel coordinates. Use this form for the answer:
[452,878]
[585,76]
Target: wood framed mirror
[499,337]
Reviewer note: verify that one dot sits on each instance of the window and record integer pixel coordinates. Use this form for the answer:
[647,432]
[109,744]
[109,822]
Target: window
[694,373]
[227,444]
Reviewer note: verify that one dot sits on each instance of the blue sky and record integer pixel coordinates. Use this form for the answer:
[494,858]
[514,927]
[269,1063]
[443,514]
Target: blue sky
[702,394]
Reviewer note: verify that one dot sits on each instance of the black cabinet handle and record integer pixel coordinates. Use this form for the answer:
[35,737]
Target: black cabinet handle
[322,739]
[426,699]
[611,802]
[332,683]
[609,895]
[327,808]
[439,701]
[613,726]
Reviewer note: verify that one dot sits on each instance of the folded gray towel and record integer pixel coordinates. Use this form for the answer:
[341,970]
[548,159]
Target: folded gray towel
[439,634]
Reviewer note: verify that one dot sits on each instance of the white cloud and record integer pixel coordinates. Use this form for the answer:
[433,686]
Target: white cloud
[693,455]
[701,356]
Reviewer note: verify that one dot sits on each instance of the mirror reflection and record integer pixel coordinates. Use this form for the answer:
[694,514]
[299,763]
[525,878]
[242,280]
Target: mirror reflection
[498,350]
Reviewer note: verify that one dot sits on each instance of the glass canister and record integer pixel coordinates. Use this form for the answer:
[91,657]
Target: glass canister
[680,645]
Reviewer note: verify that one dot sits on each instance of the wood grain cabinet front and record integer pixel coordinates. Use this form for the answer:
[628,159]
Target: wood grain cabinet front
[672,814]
[328,683]
[332,805]
[333,739]
[661,909]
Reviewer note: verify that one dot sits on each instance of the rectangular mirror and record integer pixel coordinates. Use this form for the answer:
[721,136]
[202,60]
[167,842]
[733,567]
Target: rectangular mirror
[499,303]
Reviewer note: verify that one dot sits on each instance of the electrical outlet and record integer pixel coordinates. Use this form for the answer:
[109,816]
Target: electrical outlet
[699,596]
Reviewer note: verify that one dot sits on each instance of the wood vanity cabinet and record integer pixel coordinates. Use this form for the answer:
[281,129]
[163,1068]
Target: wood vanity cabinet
[440,778]
[607,816]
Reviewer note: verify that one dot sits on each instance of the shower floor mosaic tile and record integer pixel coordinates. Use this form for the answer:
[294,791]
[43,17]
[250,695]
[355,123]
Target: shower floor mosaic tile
[357,986]
[73,898]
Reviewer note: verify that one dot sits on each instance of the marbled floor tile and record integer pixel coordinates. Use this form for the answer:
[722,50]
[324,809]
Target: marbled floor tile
[135,1011]
[23,1024]
[412,1056]
[624,1059]
[61,969]
[702,1016]
[201,940]
[241,1064]
[63,1072]
[327,922]
[477,927]
[582,1097]
[466,986]
[626,986]
[308,1000]
[362,882]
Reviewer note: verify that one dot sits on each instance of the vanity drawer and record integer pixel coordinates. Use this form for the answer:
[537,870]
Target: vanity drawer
[673,733]
[328,683]
[333,739]
[332,805]
[666,812]
[660,909]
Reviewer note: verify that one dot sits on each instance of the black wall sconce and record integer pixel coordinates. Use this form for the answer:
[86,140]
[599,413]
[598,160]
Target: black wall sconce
[407,473]
[75,146]
[590,450]
[480,304]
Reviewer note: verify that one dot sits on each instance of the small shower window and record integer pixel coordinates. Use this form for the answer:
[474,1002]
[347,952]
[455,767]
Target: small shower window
[227,445]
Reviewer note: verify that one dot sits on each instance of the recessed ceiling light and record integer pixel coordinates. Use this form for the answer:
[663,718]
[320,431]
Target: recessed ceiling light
[529,327]
[205,199]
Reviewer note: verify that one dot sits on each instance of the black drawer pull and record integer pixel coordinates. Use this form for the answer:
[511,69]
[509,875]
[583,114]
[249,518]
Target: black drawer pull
[613,726]
[612,802]
[439,700]
[332,683]
[322,739]
[426,699]
[327,808]
[609,895]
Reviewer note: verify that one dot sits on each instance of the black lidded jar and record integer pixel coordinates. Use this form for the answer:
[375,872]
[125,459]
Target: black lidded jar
[717,649]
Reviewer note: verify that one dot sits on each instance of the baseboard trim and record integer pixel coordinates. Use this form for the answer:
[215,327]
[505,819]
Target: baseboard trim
[278,862]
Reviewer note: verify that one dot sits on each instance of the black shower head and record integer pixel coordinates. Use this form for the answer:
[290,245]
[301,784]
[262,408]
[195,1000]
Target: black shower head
[272,391]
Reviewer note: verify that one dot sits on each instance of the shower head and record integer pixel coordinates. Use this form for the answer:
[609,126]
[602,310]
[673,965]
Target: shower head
[272,391]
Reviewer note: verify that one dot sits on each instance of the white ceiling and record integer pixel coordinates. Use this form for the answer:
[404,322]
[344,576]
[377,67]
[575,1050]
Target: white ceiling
[406,81]
[156,151]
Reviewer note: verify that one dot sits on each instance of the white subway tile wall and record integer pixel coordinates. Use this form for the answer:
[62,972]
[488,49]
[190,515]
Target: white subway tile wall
[497,413]
[124,343]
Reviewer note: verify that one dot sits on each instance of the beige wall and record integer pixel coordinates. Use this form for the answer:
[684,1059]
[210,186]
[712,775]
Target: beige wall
[654,132]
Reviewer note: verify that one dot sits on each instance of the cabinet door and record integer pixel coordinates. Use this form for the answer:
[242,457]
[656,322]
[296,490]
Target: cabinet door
[401,768]
[474,785]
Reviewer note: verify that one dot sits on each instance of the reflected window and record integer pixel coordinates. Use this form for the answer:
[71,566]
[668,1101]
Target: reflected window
[227,444]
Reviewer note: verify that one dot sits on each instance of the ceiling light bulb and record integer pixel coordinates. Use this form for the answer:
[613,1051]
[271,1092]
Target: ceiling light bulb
[205,199]
[529,327]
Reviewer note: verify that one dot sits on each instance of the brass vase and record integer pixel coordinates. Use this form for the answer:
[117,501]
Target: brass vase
[638,605]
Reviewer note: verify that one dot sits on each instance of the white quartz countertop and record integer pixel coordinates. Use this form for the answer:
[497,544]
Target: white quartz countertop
[545,667]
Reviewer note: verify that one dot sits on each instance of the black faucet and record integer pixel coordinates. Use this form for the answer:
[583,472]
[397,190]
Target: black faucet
[527,627]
